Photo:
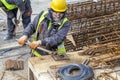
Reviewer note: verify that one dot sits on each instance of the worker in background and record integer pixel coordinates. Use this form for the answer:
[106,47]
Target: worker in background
[11,8]
[50,27]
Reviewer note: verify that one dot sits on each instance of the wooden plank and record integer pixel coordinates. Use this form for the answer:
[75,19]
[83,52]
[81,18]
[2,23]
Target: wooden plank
[9,45]
[1,75]
[30,73]
[40,66]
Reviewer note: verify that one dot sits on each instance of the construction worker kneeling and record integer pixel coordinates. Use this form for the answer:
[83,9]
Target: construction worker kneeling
[50,27]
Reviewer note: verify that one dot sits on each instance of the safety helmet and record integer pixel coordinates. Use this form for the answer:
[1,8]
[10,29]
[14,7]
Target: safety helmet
[58,5]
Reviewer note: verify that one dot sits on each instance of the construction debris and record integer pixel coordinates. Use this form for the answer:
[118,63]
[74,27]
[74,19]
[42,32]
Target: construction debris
[103,55]
[107,75]
[14,65]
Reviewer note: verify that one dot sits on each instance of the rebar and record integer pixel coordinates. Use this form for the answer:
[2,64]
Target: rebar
[90,9]
[102,30]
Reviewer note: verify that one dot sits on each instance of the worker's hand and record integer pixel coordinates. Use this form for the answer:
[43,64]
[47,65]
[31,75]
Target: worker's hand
[35,44]
[15,21]
[22,40]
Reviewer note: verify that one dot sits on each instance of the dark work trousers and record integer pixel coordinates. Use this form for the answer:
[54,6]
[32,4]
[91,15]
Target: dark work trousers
[26,18]
[11,26]
[13,14]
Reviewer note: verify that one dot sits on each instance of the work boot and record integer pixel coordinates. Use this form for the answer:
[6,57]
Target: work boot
[8,37]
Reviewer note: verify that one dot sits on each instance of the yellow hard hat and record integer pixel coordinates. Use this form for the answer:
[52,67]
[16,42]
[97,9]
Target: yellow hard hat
[58,5]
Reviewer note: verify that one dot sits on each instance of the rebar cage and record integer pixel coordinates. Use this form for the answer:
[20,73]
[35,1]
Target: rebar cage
[93,22]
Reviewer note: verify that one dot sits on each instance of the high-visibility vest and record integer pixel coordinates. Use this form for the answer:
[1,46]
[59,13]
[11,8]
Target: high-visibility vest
[9,6]
[61,48]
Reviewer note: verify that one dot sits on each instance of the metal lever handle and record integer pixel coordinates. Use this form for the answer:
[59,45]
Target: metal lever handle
[40,48]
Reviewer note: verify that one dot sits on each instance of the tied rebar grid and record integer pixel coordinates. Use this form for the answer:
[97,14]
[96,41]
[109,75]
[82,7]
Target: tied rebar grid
[104,55]
[91,9]
[103,29]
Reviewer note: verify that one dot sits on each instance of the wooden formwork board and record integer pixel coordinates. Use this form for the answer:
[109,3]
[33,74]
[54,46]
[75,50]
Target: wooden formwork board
[1,75]
[39,67]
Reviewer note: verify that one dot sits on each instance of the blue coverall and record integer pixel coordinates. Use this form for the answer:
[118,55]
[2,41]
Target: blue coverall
[25,9]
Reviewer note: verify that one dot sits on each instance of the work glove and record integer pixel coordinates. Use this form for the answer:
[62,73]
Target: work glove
[23,40]
[35,44]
